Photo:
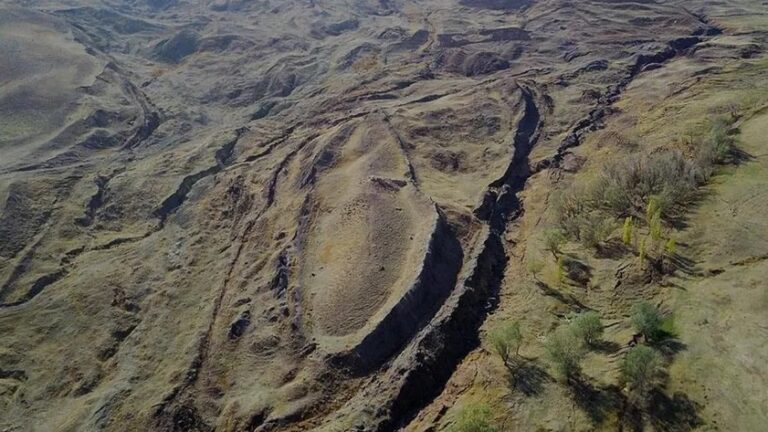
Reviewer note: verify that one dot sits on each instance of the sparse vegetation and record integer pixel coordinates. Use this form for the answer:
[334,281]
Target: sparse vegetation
[588,326]
[670,247]
[535,266]
[565,349]
[640,370]
[626,231]
[653,187]
[655,225]
[472,418]
[717,145]
[554,239]
[595,230]
[646,319]
[506,341]
[560,271]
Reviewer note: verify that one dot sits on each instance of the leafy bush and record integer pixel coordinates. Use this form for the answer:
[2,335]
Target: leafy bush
[535,266]
[588,326]
[506,340]
[717,145]
[596,230]
[554,239]
[641,368]
[646,319]
[560,271]
[472,418]
[667,178]
[565,349]
[651,187]
[637,185]
[670,247]
[626,231]
[655,225]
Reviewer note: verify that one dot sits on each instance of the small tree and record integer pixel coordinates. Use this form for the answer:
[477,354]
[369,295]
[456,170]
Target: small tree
[660,202]
[472,418]
[646,319]
[670,247]
[656,226]
[640,370]
[650,210]
[506,340]
[626,232]
[588,326]
[566,351]
[554,239]
[596,230]
[560,271]
[642,251]
[535,266]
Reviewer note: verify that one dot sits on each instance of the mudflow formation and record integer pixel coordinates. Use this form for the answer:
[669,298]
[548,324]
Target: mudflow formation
[286,215]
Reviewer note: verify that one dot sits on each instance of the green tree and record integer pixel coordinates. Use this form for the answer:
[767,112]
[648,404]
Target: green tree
[641,369]
[560,271]
[565,349]
[670,247]
[472,418]
[506,340]
[626,232]
[588,326]
[656,226]
[646,319]
[596,229]
[650,210]
[554,239]
[535,266]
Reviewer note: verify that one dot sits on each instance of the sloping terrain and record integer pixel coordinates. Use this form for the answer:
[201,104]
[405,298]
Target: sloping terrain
[258,215]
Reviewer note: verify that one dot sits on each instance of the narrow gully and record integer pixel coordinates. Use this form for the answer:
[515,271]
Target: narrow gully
[451,338]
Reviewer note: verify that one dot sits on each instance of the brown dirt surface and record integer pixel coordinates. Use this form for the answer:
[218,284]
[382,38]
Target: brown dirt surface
[300,215]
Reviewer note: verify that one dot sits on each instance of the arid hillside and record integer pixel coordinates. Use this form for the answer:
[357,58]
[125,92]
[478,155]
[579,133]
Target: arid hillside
[379,215]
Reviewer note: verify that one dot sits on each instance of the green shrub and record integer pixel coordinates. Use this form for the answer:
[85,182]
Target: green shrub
[554,239]
[506,340]
[588,326]
[641,369]
[646,319]
[472,418]
[655,225]
[535,266]
[595,230]
[565,349]
[670,247]
[717,145]
[636,185]
[560,271]
[626,231]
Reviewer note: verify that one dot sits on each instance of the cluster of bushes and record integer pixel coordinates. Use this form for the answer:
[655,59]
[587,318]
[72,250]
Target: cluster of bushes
[566,348]
[642,366]
[472,418]
[667,180]
[567,345]
[653,189]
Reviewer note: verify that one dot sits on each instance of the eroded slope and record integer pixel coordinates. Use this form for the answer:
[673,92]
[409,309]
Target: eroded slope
[259,215]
